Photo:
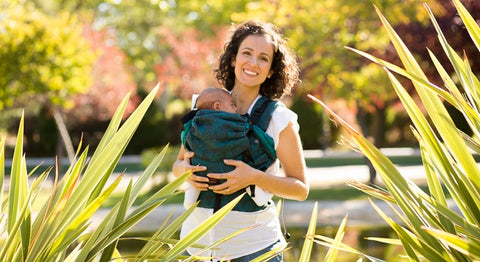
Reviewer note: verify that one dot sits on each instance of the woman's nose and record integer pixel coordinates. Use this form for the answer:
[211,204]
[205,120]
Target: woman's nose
[252,60]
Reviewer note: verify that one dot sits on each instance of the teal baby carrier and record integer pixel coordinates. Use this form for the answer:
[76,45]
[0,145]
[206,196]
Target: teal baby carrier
[217,135]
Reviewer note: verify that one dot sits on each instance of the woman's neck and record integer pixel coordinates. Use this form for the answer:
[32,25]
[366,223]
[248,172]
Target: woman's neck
[243,98]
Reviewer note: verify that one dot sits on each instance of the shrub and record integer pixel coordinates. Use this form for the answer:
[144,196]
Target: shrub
[430,229]
[57,229]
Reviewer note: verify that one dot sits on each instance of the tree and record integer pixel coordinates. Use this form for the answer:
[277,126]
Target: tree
[317,30]
[137,25]
[429,229]
[44,60]
[112,81]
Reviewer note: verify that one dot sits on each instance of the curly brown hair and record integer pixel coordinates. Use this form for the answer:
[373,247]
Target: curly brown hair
[284,65]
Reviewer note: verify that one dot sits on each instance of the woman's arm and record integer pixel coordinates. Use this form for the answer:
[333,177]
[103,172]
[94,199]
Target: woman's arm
[290,153]
[182,165]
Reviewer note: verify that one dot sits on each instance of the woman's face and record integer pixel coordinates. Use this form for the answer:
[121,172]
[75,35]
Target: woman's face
[253,60]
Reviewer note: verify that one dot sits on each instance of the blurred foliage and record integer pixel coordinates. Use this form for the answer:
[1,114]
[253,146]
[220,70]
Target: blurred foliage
[433,225]
[68,225]
[43,59]
[177,42]
[313,130]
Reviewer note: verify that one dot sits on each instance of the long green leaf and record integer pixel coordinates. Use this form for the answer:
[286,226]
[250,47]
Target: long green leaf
[108,135]
[270,254]
[445,124]
[308,242]
[18,181]
[331,255]
[200,230]
[165,192]
[106,238]
[102,166]
[151,247]
[224,239]
[410,241]
[2,168]
[13,242]
[333,243]
[122,212]
[147,174]
[435,187]
[459,243]
[467,108]
[469,22]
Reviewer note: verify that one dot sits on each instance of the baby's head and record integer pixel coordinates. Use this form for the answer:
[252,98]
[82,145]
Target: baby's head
[216,99]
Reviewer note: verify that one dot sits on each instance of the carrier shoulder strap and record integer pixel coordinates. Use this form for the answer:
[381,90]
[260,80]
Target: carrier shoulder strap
[258,116]
[261,119]
[187,117]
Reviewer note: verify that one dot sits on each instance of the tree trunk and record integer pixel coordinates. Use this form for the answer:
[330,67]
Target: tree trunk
[62,128]
[361,118]
[379,127]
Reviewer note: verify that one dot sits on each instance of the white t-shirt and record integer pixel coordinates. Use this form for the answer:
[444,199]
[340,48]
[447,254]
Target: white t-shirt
[265,224]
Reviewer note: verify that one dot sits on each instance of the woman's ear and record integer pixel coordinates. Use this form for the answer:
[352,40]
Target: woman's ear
[233,62]
[270,74]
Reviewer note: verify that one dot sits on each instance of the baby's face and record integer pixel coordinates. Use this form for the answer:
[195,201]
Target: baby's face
[228,106]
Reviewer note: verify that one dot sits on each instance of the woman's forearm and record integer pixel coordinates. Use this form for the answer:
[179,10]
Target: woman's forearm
[178,168]
[286,187]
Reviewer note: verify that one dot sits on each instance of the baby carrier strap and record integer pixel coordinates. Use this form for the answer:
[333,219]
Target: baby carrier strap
[187,117]
[259,119]
[258,146]
[262,112]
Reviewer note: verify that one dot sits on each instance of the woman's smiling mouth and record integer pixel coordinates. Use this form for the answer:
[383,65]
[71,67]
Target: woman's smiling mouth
[249,72]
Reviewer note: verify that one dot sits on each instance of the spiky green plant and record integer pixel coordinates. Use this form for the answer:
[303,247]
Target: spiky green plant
[56,230]
[429,229]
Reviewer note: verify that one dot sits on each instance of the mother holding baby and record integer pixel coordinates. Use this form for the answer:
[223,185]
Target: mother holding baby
[256,62]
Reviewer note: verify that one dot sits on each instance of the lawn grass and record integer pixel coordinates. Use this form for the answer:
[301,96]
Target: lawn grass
[334,193]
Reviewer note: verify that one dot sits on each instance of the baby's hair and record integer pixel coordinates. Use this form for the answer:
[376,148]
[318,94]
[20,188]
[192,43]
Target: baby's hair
[209,96]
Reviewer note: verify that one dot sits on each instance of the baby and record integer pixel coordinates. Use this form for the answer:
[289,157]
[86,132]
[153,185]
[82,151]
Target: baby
[216,99]
[214,131]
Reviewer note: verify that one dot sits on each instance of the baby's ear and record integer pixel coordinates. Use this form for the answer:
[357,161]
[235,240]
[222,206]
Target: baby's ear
[216,105]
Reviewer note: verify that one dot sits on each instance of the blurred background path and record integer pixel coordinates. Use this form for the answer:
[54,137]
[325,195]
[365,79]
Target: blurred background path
[325,169]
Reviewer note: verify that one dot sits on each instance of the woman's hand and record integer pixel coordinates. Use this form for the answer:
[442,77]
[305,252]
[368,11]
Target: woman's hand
[182,165]
[293,185]
[242,176]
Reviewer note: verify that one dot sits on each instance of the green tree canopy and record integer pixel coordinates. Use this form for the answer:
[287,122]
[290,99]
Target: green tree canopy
[43,58]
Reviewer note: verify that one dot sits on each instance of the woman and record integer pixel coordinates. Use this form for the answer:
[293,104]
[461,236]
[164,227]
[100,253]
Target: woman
[256,62]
